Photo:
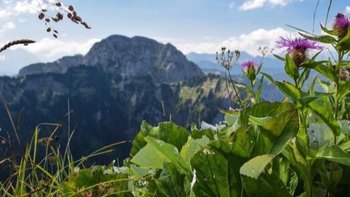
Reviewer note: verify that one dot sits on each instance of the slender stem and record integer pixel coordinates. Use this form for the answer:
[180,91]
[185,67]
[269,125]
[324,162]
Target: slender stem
[228,89]
[235,89]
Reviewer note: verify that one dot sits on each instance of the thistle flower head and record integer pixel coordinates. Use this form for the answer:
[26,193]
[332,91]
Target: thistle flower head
[249,69]
[249,64]
[298,48]
[341,25]
[300,44]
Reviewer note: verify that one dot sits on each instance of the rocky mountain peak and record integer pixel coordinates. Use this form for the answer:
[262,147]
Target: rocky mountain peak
[130,57]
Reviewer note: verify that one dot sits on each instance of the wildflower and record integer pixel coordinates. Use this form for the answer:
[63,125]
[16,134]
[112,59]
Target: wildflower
[227,58]
[341,25]
[298,48]
[249,68]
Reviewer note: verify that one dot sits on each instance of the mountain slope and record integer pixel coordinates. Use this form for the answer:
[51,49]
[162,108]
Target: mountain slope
[105,95]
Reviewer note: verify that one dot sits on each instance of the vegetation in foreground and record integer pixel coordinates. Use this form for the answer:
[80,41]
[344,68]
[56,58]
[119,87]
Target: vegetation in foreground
[297,147]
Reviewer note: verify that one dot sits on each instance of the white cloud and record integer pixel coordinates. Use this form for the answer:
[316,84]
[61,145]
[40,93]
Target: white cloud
[347,9]
[17,7]
[254,4]
[7,26]
[48,49]
[245,42]
[2,57]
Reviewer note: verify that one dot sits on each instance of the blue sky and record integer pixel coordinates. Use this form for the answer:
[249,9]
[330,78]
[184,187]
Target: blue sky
[191,25]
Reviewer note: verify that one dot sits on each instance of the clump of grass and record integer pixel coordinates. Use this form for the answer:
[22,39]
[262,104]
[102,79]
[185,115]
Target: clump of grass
[47,174]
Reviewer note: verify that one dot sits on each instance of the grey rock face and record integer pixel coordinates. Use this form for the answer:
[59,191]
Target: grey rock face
[130,57]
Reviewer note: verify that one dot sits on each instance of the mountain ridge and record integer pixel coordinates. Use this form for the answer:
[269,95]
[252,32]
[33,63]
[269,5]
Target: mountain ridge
[136,56]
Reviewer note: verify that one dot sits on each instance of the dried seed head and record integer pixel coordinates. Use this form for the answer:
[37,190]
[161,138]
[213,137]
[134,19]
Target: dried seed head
[71,8]
[41,15]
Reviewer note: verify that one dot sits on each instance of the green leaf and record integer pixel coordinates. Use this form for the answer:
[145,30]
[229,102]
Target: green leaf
[289,90]
[303,77]
[166,131]
[326,71]
[334,154]
[275,124]
[323,110]
[331,32]
[323,38]
[240,143]
[192,146]
[171,182]
[217,173]
[281,168]
[279,57]
[311,89]
[290,68]
[299,165]
[254,167]
[343,90]
[156,153]
[265,186]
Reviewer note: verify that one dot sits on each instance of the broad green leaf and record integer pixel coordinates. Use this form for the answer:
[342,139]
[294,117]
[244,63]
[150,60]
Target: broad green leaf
[320,135]
[166,131]
[171,182]
[254,167]
[335,154]
[289,90]
[281,168]
[275,124]
[265,186]
[192,146]
[326,71]
[299,165]
[156,153]
[322,110]
[240,143]
[217,173]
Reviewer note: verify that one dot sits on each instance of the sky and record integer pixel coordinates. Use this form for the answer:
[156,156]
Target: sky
[201,26]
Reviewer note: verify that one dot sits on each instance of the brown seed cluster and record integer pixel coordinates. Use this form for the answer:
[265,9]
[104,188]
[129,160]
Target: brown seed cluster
[59,15]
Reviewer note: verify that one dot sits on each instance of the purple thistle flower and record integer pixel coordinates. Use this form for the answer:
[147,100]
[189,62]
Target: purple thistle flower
[300,44]
[245,65]
[341,24]
[298,48]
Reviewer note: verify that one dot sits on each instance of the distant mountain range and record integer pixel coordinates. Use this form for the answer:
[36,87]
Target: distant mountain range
[106,94]
[208,63]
